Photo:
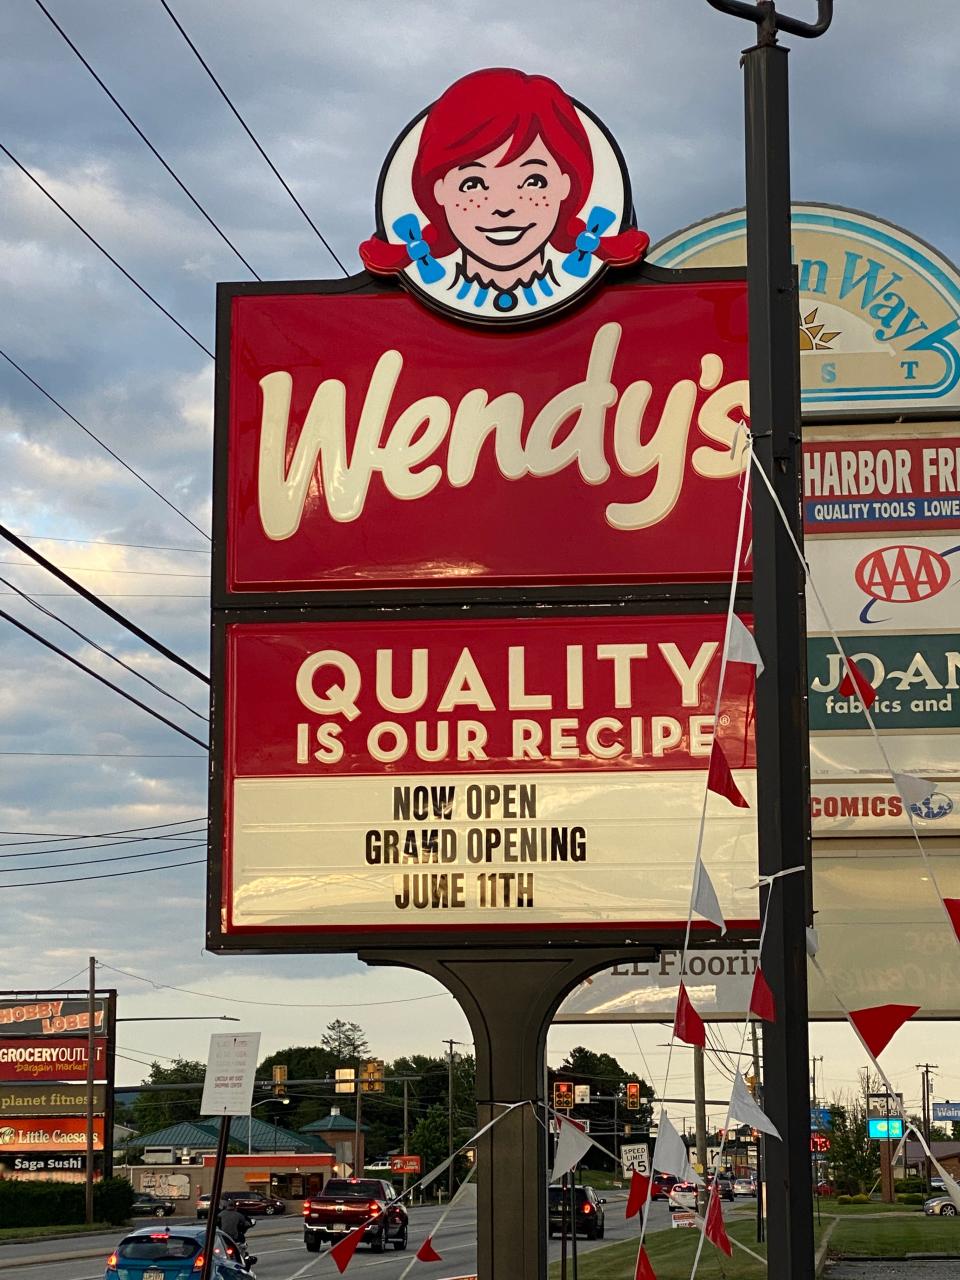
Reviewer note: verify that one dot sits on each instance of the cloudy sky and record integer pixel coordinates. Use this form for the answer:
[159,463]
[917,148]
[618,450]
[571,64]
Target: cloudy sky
[325,87]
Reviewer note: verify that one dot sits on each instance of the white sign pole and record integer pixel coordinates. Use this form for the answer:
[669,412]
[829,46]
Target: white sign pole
[227,1092]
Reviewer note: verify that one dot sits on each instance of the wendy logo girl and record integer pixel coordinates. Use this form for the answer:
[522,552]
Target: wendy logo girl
[503,202]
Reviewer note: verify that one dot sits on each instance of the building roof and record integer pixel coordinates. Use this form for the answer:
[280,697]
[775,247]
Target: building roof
[201,1135]
[333,1124]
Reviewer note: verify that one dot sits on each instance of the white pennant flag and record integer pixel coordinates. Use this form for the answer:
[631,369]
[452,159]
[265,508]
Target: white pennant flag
[744,1109]
[705,901]
[741,646]
[913,790]
[813,941]
[670,1152]
[572,1145]
[953,1188]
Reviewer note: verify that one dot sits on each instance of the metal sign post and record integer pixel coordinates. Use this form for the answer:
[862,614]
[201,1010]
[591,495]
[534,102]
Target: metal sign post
[780,627]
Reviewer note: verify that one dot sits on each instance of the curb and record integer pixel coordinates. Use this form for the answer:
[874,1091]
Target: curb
[821,1259]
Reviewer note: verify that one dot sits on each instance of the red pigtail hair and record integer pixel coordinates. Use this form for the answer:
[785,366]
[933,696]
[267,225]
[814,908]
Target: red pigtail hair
[383,258]
[619,250]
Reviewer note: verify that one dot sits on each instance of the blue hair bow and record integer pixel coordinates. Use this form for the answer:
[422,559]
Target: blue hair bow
[577,263]
[407,228]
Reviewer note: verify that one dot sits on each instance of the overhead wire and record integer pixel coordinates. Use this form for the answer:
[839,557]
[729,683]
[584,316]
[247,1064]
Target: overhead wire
[151,711]
[103,445]
[114,844]
[146,141]
[99,835]
[92,862]
[102,649]
[133,573]
[250,134]
[109,256]
[270,1004]
[107,755]
[97,601]
[137,546]
[103,875]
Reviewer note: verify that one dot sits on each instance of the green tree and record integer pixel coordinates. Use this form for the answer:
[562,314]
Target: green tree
[429,1138]
[854,1157]
[157,1110]
[606,1111]
[346,1041]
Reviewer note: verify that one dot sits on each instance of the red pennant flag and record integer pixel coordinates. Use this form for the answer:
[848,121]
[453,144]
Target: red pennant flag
[427,1253]
[720,779]
[688,1025]
[953,911]
[761,998]
[713,1227]
[644,1270]
[859,685]
[343,1251]
[639,1186]
[878,1026]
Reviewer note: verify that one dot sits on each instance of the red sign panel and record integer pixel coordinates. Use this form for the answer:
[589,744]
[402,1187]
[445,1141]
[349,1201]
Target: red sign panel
[51,1059]
[856,486]
[470,774]
[405,1164]
[369,443]
[43,1134]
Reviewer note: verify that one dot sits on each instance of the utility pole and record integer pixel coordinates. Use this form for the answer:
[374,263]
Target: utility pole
[450,1044]
[783,773]
[91,1078]
[406,1127]
[700,1119]
[925,1068]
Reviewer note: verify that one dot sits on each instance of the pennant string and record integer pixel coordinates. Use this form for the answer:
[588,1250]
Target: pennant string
[868,715]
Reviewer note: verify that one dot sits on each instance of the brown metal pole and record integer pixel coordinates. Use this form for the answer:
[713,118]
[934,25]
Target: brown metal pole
[91,1078]
[216,1188]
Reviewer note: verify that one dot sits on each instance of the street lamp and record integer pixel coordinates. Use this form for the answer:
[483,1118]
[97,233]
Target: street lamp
[284,1101]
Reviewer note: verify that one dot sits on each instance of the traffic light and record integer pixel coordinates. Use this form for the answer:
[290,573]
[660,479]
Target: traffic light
[633,1095]
[562,1095]
[279,1080]
[371,1075]
[751,1083]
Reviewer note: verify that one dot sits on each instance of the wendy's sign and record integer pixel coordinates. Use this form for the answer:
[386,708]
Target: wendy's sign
[369,444]
[503,201]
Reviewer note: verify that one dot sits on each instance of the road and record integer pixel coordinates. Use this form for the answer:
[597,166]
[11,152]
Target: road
[279,1247]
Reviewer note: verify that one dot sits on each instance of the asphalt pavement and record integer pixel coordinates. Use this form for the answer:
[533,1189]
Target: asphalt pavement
[278,1244]
[914,1269]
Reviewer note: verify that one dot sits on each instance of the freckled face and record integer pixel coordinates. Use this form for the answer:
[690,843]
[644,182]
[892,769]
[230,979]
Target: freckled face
[504,214]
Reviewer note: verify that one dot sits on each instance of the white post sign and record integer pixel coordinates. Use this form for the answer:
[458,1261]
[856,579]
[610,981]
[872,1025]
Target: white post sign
[231,1068]
[581,1095]
[636,1157]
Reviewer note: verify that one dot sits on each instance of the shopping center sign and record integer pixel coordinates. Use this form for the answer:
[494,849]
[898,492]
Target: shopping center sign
[461,501]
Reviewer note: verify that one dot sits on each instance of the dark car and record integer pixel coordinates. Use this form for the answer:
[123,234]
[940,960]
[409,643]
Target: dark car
[147,1205]
[347,1203]
[589,1216]
[725,1187]
[252,1203]
[663,1184]
[169,1253]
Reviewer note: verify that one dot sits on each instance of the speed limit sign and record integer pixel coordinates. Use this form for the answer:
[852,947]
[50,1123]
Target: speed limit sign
[636,1157]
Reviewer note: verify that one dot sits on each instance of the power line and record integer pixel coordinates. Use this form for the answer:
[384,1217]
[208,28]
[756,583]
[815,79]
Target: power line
[138,546]
[143,137]
[133,573]
[125,595]
[96,600]
[48,644]
[109,256]
[249,132]
[103,875]
[103,445]
[111,844]
[101,649]
[270,1004]
[107,755]
[92,862]
[100,835]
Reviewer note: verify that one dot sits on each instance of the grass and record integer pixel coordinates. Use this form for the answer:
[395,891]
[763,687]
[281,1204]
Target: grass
[602,1180]
[671,1254]
[10,1235]
[895,1237]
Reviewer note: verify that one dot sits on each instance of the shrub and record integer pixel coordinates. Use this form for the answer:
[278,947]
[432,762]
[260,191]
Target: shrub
[909,1185]
[911,1197]
[844,1199]
[860,1198]
[58,1204]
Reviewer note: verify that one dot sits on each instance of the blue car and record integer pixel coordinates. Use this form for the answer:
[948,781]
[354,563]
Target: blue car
[175,1253]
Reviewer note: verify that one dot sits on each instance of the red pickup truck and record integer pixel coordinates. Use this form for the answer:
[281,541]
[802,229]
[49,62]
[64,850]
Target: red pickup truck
[346,1203]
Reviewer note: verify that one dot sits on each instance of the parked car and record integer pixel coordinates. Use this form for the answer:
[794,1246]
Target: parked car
[744,1187]
[937,1183]
[683,1195]
[248,1202]
[824,1189]
[589,1216]
[168,1253]
[725,1187]
[147,1205]
[942,1206]
[378,1166]
[345,1204]
[662,1185]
